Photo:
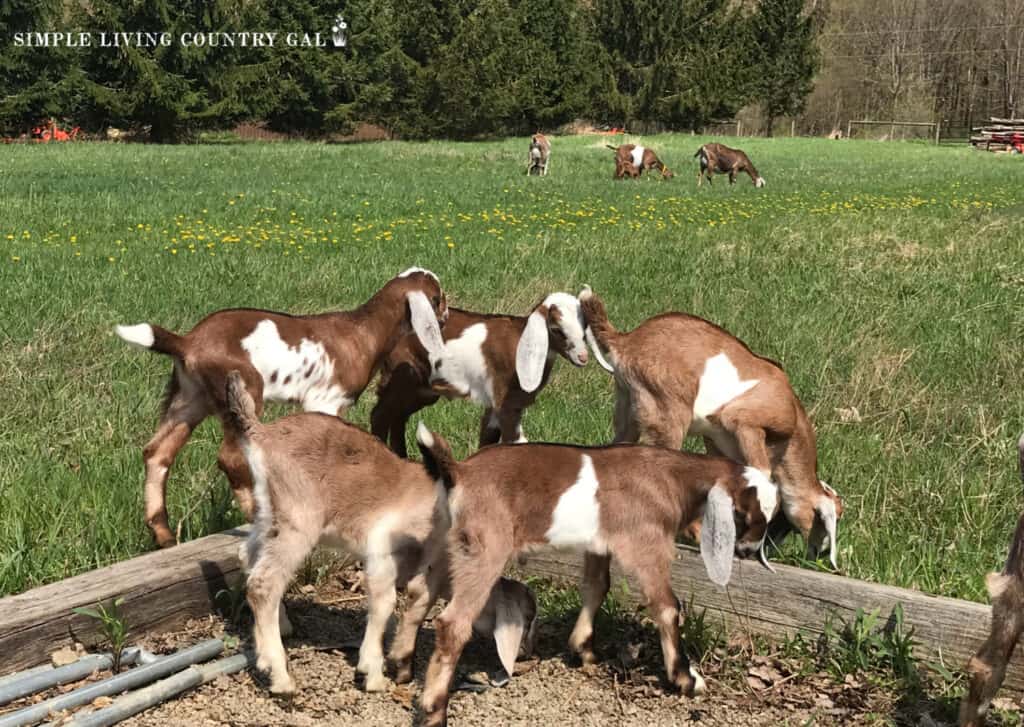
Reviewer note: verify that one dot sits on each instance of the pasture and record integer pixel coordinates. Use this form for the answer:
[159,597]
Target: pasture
[887,278]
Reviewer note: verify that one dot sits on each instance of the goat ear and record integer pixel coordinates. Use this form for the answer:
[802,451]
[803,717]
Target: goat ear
[718,535]
[424,323]
[532,352]
[509,625]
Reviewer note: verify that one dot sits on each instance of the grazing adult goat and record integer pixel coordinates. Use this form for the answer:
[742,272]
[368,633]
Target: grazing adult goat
[718,158]
[499,362]
[676,375]
[632,160]
[626,501]
[988,667]
[540,155]
[319,480]
[322,362]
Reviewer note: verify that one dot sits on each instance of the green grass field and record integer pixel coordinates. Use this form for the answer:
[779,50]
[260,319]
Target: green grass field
[888,278]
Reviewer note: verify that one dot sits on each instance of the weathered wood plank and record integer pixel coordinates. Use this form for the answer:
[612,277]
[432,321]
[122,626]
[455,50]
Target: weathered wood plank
[795,599]
[161,591]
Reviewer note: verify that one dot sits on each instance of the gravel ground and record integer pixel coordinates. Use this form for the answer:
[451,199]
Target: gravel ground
[624,688]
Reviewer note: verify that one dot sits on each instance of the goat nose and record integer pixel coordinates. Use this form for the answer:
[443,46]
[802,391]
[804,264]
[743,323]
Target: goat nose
[584,356]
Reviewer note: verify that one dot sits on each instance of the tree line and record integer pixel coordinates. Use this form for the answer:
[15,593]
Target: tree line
[418,68]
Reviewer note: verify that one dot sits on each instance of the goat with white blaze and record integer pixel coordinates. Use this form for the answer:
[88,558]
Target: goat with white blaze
[621,501]
[500,362]
[677,375]
[319,480]
[322,362]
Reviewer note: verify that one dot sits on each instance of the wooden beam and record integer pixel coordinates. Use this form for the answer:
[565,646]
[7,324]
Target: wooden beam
[796,599]
[161,591]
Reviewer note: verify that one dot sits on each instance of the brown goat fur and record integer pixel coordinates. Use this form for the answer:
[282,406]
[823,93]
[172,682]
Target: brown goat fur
[718,158]
[632,160]
[322,362]
[676,375]
[482,362]
[319,480]
[626,501]
[540,155]
[987,668]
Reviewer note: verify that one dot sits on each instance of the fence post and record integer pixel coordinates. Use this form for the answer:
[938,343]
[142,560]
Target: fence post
[938,126]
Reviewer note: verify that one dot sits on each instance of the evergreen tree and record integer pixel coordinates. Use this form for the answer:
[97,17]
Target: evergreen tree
[37,82]
[787,58]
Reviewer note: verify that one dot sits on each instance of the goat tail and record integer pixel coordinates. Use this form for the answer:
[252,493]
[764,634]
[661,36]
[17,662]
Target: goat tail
[153,338]
[599,331]
[437,455]
[241,410]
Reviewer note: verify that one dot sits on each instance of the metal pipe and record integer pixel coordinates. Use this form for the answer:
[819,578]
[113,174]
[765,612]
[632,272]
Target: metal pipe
[47,677]
[138,701]
[115,684]
[15,676]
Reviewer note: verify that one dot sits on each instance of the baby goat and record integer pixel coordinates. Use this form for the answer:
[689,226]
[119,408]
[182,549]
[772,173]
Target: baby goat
[631,160]
[540,155]
[321,480]
[499,362]
[723,160]
[677,374]
[988,667]
[322,362]
[625,501]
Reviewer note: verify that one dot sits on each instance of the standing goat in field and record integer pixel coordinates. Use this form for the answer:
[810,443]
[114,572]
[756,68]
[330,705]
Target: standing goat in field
[499,362]
[718,158]
[677,375]
[540,155]
[632,160]
[625,501]
[323,362]
[319,480]
[988,667]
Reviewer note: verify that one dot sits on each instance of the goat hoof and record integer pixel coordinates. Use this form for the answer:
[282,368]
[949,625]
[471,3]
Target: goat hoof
[403,672]
[284,688]
[165,539]
[376,683]
[691,684]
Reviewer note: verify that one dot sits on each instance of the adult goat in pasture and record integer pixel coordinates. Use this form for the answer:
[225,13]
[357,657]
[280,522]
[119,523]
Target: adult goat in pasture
[632,160]
[322,362]
[718,158]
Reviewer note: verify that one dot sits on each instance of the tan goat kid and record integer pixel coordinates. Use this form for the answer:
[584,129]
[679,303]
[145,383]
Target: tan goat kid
[322,362]
[624,501]
[987,668]
[677,375]
[319,480]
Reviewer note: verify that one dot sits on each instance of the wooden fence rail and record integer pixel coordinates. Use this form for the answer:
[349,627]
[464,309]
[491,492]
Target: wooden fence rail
[165,588]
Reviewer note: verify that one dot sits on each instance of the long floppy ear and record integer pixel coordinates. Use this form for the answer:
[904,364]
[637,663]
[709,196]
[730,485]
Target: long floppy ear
[532,352]
[826,510]
[718,535]
[509,625]
[424,323]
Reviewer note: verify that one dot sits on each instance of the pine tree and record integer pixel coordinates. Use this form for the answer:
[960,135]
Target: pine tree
[787,58]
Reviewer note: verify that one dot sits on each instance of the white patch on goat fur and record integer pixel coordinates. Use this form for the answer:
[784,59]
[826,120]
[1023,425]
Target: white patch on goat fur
[719,384]
[576,519]
[572,325]
[264,516]
[303,373]
[410,271]
[638,156]
[138,335]
[767,491]
[464,368]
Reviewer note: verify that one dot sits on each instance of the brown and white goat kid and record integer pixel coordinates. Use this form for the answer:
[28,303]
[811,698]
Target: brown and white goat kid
[724,160]
[319,480]
[499,362]
[631,160]
[988,667]
[626,501]
[677,375]
[540,155]
[322,362]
